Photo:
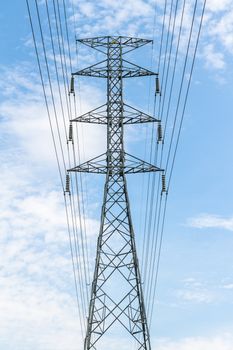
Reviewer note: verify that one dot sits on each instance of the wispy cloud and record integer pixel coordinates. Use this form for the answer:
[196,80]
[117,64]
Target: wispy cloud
[136,18]
[218,342]
[34,313]
[195,292]
[107,17]
[211,221]
[37,302]
[37,294]
[228,286]
[218,5]
[196,296]
[214,59]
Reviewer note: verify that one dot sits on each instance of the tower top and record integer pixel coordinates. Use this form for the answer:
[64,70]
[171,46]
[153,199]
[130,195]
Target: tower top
[102,43]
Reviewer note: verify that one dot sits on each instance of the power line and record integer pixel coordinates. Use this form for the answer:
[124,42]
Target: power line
[179,131]
[156,202]
[45,95]
[54,108]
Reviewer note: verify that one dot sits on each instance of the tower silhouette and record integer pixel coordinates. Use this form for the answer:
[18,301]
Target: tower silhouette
[116,296]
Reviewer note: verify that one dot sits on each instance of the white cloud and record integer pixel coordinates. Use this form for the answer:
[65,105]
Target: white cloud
[228,286]
[218,5]
[220,29]
[136,18]
[32,314]
[217,31]
[25,119]
[195,296]
[218,342]
[36,281]
[37,303]
[211,221]
[87,9]
[214,60]
[106,17]
[37,294]
[196,292]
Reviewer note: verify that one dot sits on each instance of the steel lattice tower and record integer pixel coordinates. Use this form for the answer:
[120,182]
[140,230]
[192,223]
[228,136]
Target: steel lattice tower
[116,295]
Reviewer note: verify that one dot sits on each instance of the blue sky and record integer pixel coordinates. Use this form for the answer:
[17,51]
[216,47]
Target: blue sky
[194,295]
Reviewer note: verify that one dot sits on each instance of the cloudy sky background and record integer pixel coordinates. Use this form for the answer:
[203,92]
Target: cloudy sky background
[194,296]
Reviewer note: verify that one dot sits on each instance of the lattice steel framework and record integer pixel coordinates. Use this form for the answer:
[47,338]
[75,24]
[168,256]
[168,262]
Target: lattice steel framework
[116,295]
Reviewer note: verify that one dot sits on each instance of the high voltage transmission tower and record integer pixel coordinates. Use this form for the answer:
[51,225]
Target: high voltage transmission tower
[116,302]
